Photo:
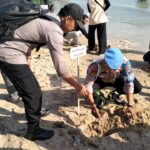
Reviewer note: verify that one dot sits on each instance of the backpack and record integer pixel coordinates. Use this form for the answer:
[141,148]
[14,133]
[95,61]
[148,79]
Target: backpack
[17,13]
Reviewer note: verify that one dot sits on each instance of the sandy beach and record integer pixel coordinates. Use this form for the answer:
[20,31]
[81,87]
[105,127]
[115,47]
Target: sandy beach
[115,130]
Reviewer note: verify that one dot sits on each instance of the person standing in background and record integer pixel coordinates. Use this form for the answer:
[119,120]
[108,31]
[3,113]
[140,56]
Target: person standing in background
[97,20]
[49,4]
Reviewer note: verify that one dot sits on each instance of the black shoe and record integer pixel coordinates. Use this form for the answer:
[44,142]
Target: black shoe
[40,134]
[45,112]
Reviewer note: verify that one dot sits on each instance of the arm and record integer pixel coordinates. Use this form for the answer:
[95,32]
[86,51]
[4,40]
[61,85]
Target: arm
[81,89]
[129,86]
[83,30]
[88,7]
[90,78]
[95,110]
[55,44]
[128,89]
[107,4]
[129,97]
[130,104]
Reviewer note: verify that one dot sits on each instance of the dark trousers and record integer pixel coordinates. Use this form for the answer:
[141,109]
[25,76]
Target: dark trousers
[47,2]
[10,87]
[28,88]
[101,36]
[118,85]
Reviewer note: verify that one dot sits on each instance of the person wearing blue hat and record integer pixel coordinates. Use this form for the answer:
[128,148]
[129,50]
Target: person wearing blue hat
[97,23]
[113,69]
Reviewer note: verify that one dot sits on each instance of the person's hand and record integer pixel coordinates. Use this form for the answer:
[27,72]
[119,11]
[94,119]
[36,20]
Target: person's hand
[95,111]
[83,91]
[131,111]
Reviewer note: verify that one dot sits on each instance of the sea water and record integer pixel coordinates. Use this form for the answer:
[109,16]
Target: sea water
[128,19]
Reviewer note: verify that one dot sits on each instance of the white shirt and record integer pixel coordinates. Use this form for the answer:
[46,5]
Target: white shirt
[97,14]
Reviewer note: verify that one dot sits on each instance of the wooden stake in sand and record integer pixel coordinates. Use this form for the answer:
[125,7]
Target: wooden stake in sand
[76,53]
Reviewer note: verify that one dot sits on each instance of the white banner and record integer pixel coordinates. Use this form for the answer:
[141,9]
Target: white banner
[79,51]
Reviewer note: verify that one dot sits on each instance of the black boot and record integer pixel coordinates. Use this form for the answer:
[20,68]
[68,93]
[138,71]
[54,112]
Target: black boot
[39,134]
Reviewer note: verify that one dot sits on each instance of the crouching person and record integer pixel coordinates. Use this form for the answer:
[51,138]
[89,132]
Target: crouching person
[114,70]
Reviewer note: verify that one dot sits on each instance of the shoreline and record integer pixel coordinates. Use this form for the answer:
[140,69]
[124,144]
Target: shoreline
[123,31]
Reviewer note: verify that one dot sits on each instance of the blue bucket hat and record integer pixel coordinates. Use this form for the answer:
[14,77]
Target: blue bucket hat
[113,58]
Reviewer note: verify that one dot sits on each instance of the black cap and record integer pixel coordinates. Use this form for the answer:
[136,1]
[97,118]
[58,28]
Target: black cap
[73,10]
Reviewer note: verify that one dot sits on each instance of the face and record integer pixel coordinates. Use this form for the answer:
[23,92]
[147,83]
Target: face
[106,68]
[68,24]
[108,74]
[85,21]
